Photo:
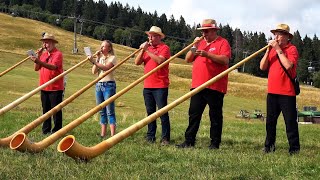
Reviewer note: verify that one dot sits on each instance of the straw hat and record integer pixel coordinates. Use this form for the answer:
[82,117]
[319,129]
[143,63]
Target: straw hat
[208,24]
[47,36]
[283,28]
[156,30]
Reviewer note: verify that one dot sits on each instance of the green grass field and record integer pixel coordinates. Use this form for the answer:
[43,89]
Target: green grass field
[240,155]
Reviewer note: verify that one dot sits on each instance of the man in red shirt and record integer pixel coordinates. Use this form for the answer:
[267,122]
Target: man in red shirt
[281,93]
[210,58]
[155,92]
[50,64]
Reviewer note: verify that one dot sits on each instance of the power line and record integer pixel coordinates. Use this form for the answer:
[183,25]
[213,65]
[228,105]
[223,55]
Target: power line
[95,22]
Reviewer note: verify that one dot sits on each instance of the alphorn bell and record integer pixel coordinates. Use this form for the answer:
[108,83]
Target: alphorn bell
[31,93]
[28,128]
[70,147]
[21,143]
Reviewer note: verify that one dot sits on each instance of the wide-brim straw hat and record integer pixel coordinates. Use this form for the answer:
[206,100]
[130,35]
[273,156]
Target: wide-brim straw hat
[208,24]
[156,30]
[283,28]
[47,36]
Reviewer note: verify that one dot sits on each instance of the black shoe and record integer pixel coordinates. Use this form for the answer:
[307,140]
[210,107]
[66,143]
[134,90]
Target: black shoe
[269,149]
[293,152]
[150,140]
[185,145]
[213,146]
[46,133]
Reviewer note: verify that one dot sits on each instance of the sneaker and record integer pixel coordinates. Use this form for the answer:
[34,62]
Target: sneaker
[164,142]
[213,146]
[269,149]
[185,145]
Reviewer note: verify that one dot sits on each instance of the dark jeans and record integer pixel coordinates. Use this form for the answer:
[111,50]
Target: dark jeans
[157,97]
[286,105]
[198,103]
[49,100]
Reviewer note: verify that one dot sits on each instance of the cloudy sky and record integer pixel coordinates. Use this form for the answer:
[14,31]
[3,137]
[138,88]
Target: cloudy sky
[247,15]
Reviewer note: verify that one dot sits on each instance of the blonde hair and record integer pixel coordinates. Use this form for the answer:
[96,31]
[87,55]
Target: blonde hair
[111,46]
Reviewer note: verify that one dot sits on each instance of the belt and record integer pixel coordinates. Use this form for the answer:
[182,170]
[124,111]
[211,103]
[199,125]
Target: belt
[107,82]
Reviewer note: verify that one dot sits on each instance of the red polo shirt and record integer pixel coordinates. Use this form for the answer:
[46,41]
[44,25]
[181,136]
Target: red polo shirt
[54,58]
[159,79]
[205,69]
[278,80]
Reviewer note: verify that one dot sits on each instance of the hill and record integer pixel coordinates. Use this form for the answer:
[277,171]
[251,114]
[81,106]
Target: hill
[14,28]
[239,157]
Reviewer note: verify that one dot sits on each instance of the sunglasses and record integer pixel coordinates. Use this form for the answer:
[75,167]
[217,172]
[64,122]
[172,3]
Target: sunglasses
[205,31]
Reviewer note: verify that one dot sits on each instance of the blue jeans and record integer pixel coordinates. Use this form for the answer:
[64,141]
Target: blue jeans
[104,90]
[157,97]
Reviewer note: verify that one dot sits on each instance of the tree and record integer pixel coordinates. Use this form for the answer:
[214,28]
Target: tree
[316,79]
[67,24]
[68,8]
[117,36]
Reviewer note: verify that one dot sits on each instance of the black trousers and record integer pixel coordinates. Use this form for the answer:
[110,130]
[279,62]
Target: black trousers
[198,103]
[50,99]
[286,105]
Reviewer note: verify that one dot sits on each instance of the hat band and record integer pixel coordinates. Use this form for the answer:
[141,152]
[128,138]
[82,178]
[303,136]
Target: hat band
[208,25]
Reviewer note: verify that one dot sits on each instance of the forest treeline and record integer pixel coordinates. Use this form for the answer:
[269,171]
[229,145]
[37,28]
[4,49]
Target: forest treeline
[126,25]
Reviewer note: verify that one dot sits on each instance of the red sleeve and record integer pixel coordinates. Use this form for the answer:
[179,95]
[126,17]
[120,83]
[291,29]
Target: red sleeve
[165,52]
[225,49]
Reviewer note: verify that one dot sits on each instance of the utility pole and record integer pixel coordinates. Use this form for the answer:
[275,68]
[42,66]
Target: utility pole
[245,53]
[75,49]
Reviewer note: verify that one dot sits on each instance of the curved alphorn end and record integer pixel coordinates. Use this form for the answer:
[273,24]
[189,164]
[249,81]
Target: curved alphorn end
[17,141]
[5,142]
[71,148]
[21,143]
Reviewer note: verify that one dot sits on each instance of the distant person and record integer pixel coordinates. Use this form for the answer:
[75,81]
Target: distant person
[50,64]
[106,87]
[210,58]
[155,92]
[281,93]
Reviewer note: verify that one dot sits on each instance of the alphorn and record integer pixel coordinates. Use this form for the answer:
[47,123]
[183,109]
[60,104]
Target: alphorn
[14,66]
[5,142]
[70,147]
[21,143]
[31,93]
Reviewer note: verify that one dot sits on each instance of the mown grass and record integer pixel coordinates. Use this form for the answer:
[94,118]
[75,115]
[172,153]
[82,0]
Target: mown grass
[240,156]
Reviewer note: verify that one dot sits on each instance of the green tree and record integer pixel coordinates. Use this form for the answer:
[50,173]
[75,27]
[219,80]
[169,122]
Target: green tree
[117,36]
[316,79]
[67,24]
[68,8]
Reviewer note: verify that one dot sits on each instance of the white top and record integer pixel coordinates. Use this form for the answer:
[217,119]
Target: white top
[104,61]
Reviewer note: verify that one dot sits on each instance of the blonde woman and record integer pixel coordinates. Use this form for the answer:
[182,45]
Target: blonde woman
[106,87]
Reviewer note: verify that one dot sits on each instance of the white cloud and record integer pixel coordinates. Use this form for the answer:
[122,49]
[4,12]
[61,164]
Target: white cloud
[248,15]
[260,16]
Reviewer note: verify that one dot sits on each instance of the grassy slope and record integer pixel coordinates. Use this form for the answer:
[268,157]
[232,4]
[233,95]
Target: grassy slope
[239,157]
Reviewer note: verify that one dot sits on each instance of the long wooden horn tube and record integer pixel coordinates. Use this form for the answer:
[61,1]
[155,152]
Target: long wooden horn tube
[21,143]
[69,146]
[5,142]
[31,93]
[14,66]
